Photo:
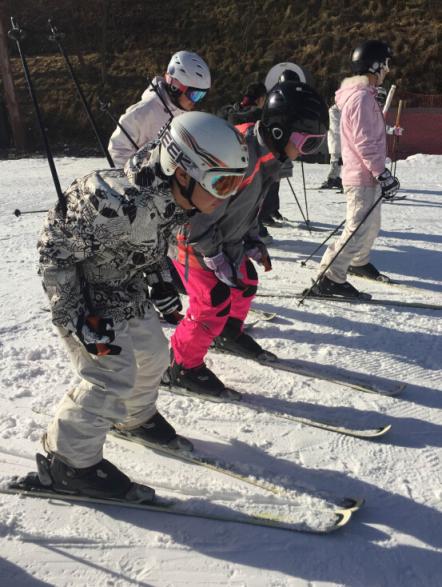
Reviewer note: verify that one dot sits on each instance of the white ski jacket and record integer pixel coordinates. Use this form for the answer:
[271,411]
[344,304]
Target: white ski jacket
[142,122]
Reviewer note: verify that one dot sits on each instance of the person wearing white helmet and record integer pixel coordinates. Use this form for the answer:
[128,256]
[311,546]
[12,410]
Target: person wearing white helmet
[185,83]
[104,271]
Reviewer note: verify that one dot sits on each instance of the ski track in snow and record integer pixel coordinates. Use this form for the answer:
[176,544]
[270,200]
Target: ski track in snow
[395,540]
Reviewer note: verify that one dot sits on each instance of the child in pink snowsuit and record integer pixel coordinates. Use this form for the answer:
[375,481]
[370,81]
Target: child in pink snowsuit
[364,176]
[215,254]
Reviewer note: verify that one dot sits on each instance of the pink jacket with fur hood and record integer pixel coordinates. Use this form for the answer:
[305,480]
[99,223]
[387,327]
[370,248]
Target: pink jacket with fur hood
[363,137]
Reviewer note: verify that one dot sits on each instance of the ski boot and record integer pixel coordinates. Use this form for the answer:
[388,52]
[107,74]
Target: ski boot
[155,431]
[233,340]
[368,271]
[102,480]
[198,380]
[328,288]
[332,183]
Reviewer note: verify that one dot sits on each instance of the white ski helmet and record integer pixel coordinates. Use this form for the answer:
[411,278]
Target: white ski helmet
[190,70]
[207,148]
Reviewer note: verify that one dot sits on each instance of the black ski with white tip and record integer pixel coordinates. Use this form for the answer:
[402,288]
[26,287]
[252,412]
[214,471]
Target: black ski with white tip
[302,368]
[348,300]
[367,433]
[283,516]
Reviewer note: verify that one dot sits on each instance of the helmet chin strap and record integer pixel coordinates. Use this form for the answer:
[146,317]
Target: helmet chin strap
[187,192]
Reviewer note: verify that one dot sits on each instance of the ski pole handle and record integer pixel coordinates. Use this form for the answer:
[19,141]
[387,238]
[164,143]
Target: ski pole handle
[389,100]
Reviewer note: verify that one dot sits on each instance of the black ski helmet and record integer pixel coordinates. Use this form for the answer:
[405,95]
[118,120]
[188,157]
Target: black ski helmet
[292,107]
[370,57]
[288,75]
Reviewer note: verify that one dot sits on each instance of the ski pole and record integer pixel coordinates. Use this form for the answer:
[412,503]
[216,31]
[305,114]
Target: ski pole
[18,212]
[104,107]
[389,100]
[297,201]
[305,196]
[57,36]
[303,263]
[396,137]
[321,275]
[17,34]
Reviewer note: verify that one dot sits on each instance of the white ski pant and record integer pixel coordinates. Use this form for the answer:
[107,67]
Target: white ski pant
[113,390]
[334,169]
[357,251]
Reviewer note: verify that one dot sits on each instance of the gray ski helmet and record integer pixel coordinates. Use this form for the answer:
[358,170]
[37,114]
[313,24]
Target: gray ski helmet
[292,107]
[209,149]
[370,57]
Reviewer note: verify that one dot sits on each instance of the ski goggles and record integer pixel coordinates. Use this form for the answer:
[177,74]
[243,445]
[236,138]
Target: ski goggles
[306,143]
[386,66]
[193,94]
[221,183]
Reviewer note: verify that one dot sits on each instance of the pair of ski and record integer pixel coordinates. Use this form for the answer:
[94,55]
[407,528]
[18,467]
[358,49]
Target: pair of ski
[296,510]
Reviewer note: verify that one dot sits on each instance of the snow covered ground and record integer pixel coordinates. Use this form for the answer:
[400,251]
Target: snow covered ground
[396,538]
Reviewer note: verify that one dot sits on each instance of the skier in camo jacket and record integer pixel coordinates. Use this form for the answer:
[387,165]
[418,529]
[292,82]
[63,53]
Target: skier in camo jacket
[98,263]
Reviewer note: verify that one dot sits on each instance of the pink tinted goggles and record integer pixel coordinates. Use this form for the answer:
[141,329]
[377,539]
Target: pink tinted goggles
[306,143]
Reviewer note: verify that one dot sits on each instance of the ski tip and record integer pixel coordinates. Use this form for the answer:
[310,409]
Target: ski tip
[383,430]
[343,518]
[352,504]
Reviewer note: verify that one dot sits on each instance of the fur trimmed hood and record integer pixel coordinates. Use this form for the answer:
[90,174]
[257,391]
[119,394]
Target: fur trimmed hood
[350,85]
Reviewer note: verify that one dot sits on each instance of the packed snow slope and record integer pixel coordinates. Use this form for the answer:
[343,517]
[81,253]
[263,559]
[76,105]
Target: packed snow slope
[394,540]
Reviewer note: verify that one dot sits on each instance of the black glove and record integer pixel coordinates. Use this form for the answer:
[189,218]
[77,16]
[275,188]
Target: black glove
[96,334]
[166,299]
[389,184]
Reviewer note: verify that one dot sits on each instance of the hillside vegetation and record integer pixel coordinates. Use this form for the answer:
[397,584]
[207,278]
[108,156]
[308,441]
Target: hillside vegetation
[114,45]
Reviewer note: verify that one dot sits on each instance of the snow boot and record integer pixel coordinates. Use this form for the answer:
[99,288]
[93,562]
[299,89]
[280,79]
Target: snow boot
[156,430]
[233,340]
[200,379]
[102,480]
[368,271]
[327,287]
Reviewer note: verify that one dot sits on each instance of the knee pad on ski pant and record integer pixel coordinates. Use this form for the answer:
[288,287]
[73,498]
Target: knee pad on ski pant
[219,294]
[251,289]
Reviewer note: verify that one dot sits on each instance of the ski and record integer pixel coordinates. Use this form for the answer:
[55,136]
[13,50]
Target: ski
[359,383]
[261,316]
[356,301]
[218,466]
[270,515]
[385,280]
[369,433]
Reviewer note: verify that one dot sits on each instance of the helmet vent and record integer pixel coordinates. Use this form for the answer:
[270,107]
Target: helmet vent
[277,133]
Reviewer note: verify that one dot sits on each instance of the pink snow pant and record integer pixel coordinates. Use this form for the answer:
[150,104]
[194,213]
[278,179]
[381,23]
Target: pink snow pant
[211,304]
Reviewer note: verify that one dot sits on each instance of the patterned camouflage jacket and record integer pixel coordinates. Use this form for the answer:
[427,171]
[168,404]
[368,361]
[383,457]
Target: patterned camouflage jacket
[112,244]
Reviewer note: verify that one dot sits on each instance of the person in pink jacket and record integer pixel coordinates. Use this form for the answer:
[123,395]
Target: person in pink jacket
[364,176]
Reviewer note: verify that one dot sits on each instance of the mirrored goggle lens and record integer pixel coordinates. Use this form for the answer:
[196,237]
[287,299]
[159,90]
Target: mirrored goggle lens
[223,185]
[305,143]
[195,95]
